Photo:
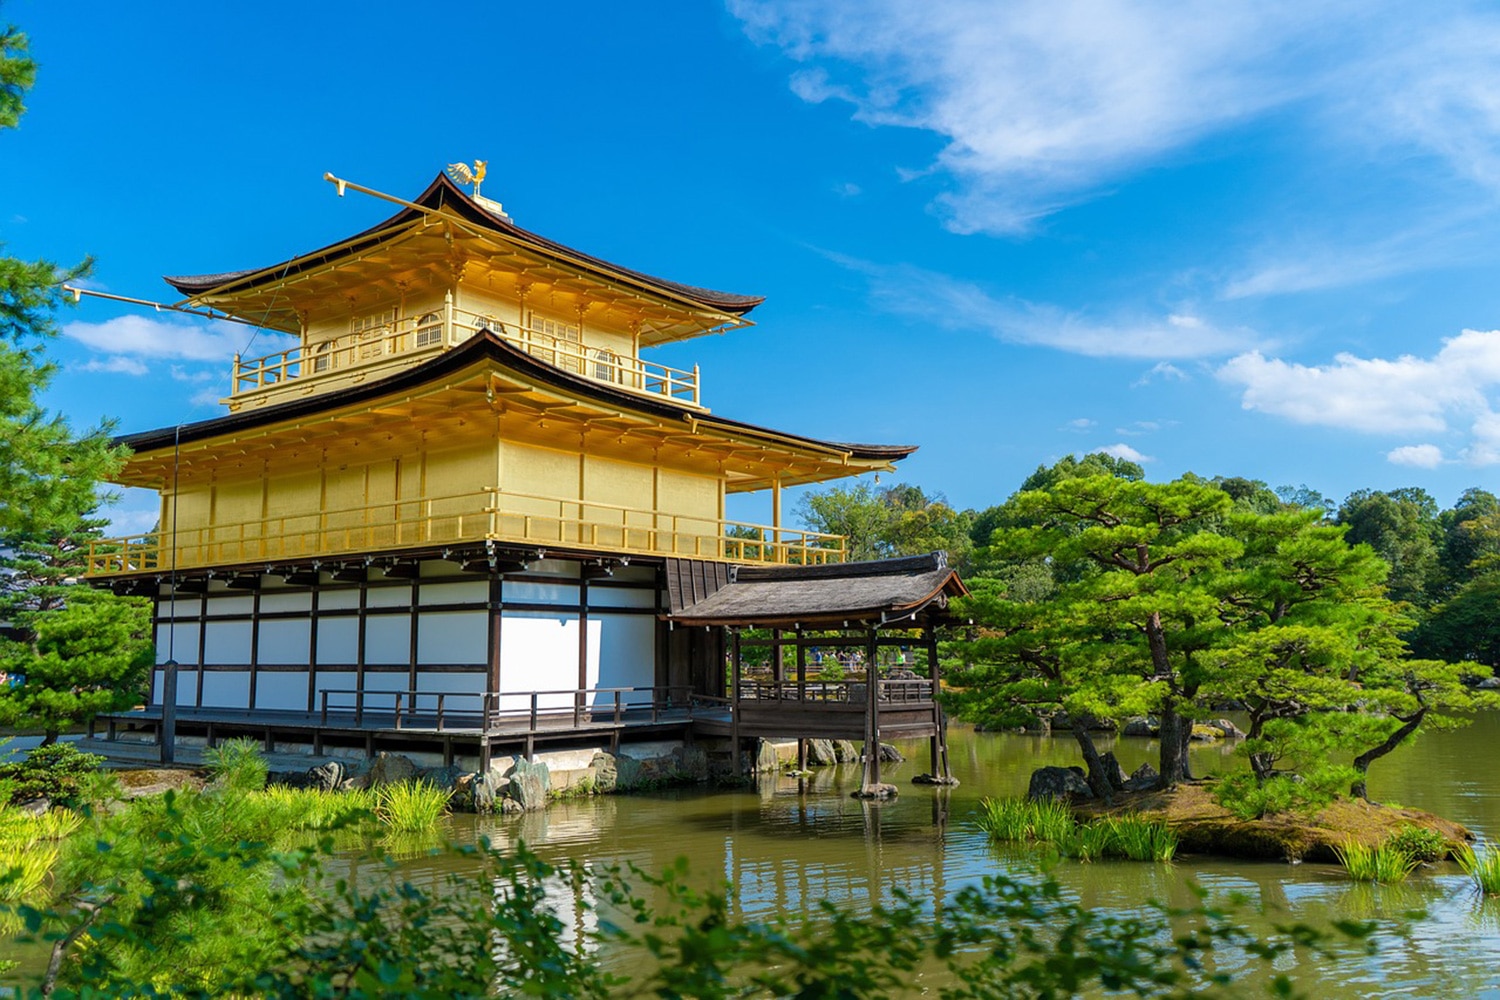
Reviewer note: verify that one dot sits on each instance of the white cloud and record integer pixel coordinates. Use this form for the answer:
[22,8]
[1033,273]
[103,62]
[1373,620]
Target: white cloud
[1163,370]
[955,304]
[1140,427]
[1079,424]
[1044,102]
[1123,450]
[1421,456]
[118,365]
[147,337]
[1408,395]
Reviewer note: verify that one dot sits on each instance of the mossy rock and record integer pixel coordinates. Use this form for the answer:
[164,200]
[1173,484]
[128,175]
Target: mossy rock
[1205,827]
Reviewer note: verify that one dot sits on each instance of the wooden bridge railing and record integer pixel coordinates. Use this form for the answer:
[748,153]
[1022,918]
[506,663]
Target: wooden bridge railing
[542,709]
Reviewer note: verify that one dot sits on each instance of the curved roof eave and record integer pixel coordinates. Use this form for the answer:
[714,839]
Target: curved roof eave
[482,346]
[443,193]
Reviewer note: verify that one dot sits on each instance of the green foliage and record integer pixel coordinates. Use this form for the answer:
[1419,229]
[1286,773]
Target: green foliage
[88,656]
[1385,863]
[411,806]
[899,520]
[237,765]
[1465,627]
[1483,869]
[1401,526]
[1419,843]
[55,772]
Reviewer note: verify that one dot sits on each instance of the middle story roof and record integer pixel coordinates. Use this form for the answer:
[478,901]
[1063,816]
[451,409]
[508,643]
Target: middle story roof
[486,387]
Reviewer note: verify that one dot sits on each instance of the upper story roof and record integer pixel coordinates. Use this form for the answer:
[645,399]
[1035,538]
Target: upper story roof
[470,224]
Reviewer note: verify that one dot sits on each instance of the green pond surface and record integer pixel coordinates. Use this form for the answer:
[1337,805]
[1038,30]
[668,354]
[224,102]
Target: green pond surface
[788,843]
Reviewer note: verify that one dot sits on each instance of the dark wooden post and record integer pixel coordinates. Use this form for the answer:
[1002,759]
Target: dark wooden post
[939,743]
[801,695]
[734,700]
[872,725]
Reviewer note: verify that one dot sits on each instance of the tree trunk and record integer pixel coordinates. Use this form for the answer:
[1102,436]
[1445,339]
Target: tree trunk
[1098,781]
[1363,761]
[50,738]
[1171,756]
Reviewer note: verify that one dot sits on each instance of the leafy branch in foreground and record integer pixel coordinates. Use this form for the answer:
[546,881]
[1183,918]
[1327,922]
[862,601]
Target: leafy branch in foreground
[514,925]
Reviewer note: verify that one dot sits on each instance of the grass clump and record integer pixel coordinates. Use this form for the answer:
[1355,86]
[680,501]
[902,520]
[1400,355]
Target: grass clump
[1483,869]
[1050,822]
[1384,863]
[411,806]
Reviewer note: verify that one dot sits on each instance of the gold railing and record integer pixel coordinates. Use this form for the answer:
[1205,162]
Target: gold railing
[522,518]
[445,327]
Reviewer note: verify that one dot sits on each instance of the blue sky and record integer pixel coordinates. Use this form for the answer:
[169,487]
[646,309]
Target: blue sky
[1259,242]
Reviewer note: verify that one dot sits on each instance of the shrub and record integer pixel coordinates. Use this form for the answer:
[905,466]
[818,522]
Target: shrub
[54,772]
[1420,844]
[1384,863]
[237,765]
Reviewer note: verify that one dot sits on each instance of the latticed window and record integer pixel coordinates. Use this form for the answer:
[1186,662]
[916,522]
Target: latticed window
[429,329]
[606,366]
[323,356]
[560,339]
[371,331]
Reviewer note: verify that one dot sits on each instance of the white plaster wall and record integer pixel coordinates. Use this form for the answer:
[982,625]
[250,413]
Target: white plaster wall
[539,593]
[460,592]
[389,596]
[284,641]
[298,600]
[335,680]
[227,643]
[338,640]
[282,689]
[183,648]
[626,647]
[227,690]
[620,597]
[336,599]
[538,652]
[230,604]
[388,639]
[187,687]
[453,637]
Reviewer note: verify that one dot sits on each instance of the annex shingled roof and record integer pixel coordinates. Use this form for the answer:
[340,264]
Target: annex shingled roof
[884,590]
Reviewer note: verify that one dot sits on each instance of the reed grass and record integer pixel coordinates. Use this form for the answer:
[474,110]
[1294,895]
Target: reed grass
[1021,821]
[411,806]
[1385,863]
[316,810]
[1483,869]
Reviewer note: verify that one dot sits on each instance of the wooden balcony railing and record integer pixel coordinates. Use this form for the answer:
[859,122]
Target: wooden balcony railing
[502,516]
[433,332]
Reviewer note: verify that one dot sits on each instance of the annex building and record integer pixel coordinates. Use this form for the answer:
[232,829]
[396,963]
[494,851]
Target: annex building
[468,509]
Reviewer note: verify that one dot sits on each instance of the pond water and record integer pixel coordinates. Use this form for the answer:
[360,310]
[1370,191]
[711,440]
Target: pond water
[788,843]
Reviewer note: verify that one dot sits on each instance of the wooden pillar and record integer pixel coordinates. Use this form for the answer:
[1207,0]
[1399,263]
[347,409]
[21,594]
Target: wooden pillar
[312,648]
[801,668]
[580,700]
[734,699]
[939,742]
[872,720]
[359,641]
[202,641]
[778,670]
[776,521]
[492,669]
[416,624]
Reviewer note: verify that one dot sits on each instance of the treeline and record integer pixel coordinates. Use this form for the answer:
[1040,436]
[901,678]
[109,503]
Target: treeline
[1444,563]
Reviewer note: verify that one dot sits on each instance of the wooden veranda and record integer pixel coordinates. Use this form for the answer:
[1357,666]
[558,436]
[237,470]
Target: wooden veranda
[858,607]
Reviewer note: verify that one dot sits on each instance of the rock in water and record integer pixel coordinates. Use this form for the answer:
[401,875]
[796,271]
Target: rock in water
[880,792]
[890,755]
[529,785]
[1061,783]
[389,768]
[1113,772]
[1143,779]
[928,779]
[845,752]
[326,777]
[820,753]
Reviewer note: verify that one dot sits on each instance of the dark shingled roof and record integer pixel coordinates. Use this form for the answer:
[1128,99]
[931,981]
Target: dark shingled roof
[443,193]
[881,591]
